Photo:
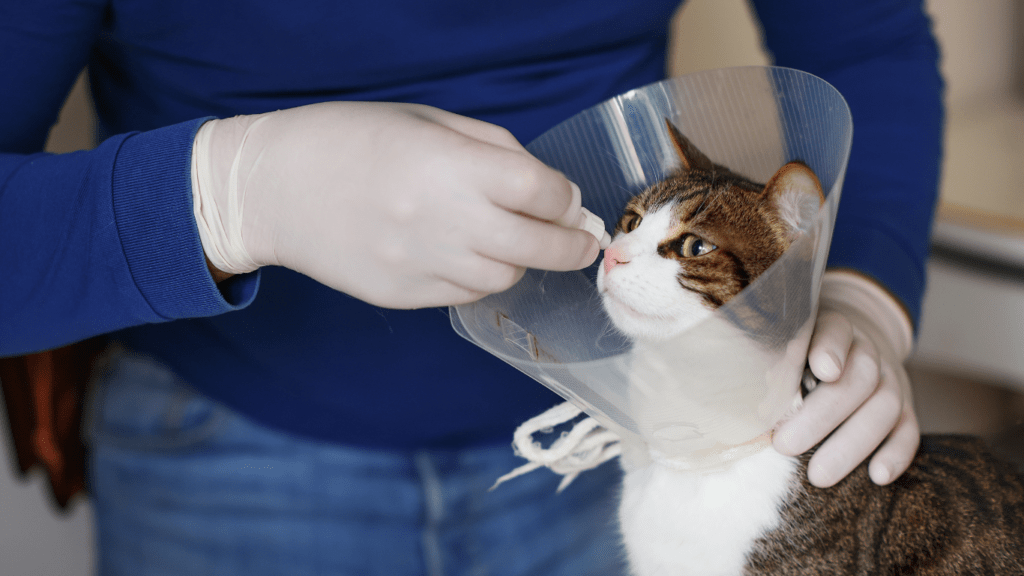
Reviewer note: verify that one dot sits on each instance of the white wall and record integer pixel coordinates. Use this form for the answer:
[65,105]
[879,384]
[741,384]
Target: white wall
[34,539]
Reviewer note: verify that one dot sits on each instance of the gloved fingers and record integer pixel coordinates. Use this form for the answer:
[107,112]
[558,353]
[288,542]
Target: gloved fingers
[449,285]
[441,293]
[482,275]
[895,454]
[830,404]
[830,345]
[857,316]
[897,451]
[476,129]
[523,184]
[573,215]
[522,200]
[859,436]
[530,243]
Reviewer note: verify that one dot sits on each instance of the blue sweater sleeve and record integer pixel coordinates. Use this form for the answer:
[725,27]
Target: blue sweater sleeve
[91,241]
[883,58]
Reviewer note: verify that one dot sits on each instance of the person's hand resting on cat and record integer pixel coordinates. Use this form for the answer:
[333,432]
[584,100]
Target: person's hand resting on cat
[861,339]
[399,205]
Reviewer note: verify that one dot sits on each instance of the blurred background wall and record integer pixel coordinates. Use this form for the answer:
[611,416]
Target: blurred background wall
[969,364]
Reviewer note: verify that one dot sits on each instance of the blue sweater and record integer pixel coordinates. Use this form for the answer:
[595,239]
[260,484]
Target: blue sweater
[104,241]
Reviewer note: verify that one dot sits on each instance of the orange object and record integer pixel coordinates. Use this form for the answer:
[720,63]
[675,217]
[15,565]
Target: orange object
[45,393]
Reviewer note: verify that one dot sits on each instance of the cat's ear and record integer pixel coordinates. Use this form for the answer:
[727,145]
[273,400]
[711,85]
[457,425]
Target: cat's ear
[795,192]
[689,155]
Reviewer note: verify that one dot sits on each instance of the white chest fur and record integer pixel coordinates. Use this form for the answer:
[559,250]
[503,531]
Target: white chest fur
[677,523]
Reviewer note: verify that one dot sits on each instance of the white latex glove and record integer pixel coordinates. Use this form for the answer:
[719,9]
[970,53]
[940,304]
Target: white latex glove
[860,342]
[399,205]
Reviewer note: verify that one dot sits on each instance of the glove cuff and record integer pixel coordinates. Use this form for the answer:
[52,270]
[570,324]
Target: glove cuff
[216,203]
[854,293]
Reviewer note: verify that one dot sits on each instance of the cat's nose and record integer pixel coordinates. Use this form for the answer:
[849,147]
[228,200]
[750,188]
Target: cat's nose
[612,258]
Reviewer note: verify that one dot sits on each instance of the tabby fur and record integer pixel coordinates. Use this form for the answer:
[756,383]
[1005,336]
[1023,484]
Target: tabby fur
[958,511]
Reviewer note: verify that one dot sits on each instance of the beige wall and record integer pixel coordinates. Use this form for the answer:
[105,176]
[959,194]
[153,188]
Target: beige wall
[983,64]
[75,127]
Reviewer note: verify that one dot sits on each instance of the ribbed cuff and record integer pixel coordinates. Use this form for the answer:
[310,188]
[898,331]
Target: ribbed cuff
[152,196]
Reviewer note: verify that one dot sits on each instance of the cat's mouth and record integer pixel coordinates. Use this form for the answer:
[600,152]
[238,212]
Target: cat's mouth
[630,310]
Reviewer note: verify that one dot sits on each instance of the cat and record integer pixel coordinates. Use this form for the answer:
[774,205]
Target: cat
[681,249]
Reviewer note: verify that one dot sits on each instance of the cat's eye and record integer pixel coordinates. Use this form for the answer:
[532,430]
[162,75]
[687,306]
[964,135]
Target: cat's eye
[693,246]
[630,222]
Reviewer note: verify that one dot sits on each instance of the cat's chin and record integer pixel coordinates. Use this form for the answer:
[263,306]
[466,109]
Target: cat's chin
[646,327]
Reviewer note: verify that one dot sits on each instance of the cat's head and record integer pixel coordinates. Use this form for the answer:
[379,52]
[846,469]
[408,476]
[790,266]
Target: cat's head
[686,245]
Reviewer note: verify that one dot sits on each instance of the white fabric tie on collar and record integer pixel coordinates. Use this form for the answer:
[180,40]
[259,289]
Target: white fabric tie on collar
[586,446]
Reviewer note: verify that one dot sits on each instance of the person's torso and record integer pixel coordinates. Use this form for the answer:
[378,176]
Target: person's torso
[303,357]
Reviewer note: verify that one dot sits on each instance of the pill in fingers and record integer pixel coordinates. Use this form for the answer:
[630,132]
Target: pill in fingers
[576,216]
[591,223]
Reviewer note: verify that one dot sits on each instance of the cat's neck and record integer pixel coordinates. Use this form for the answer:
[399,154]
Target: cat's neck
[703,521]
[716,459]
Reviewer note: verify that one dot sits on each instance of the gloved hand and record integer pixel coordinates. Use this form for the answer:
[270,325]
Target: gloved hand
[399,205]
[861,339]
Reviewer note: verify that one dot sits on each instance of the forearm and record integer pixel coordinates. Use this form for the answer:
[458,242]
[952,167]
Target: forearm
[101,240]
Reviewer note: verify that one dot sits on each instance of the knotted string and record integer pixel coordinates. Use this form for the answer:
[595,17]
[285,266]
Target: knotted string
[586,446]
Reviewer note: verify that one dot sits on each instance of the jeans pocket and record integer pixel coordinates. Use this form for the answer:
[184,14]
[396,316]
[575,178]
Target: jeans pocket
[138,404]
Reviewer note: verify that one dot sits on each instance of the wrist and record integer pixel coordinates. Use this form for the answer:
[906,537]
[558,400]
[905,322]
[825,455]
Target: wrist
[860,297]
[217,205]
[217,274]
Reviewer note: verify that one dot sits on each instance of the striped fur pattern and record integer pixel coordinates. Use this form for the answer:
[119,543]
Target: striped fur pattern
[721,210]
[957,511]
[683,248]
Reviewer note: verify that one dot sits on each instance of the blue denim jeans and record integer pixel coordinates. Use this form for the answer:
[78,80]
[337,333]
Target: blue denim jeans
[181,485]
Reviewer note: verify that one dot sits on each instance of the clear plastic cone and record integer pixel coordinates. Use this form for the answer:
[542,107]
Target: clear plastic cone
[732,377]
